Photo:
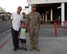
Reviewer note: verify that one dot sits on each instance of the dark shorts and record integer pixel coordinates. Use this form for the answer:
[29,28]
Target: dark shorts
[23,40]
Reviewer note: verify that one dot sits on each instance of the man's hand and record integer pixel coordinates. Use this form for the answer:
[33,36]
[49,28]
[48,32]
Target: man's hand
[10,23]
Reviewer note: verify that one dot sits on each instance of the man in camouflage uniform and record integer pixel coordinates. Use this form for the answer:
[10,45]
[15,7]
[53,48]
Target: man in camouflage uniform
[33,27]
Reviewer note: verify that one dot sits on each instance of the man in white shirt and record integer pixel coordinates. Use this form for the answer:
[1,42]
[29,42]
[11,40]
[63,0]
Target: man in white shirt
[16,19]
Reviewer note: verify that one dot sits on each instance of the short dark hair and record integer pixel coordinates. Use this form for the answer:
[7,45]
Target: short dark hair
[19,7]
[33,5]
[23,22]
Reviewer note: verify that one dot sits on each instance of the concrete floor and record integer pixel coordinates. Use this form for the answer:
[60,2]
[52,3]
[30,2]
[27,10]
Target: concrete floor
[48,43]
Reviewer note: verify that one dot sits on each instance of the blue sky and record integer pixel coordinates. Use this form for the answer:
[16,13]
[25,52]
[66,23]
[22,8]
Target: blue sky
[11,5]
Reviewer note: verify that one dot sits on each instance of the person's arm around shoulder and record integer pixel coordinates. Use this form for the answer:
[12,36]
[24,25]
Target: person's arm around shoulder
[27,17]
[21,19]
[39,17]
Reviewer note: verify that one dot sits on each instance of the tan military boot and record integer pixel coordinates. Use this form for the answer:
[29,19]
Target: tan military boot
[37,49]
[31,48]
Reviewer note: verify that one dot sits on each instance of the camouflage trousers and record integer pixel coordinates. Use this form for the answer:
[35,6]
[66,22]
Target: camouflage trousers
[34,37]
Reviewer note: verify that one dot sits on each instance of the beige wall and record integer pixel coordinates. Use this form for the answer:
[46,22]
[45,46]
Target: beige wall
[45,1]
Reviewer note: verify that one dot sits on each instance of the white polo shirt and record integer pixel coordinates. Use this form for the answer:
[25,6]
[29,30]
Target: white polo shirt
[16,18]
